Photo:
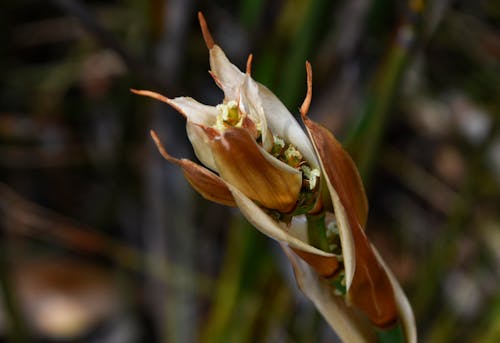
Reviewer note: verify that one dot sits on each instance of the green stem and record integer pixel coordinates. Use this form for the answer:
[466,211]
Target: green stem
[316,230]
[394,334]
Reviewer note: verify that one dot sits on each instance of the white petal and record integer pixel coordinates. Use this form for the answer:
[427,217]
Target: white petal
[281,122]
[298,228]
[201,145]
[228,75]
[345,234]
[194,111]
[268,226]
[344,320]
[252,105]
[402,303]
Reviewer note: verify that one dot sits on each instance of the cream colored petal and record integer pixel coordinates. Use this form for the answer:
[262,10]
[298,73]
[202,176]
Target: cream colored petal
[298,228]
[403,305]
[346,239]
[344,320]
[268,226]
[252,105]
[201,145]
[281,122]
[194,111]
[227,75]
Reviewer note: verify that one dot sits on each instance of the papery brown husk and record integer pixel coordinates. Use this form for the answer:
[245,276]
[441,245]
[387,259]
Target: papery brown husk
[205,182]
[242,163]
[370,290]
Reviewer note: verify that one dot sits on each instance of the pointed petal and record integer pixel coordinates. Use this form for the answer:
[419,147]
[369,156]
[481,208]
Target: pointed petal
[252,105]
[242,163]
[268,226]
[188,107]
[227,75]
[370,289]
[325,266]
[207,36]
[344,185]
[208,184]
[281,122]
[344,320]
[249,64]
[402,303]
[339,166]
[194,111]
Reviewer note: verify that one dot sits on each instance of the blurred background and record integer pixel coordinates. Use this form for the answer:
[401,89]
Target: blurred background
[103,241]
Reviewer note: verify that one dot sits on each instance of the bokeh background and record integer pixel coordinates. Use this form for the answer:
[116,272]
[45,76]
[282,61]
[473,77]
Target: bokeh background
[103,241]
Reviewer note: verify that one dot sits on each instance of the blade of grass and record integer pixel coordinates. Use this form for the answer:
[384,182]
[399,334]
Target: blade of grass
[293,72]
[365,139]
[228,286]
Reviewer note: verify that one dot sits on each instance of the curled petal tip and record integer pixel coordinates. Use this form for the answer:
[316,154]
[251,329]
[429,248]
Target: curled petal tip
[207,36]
[307,101]
[161,148]
[249,64]
[151,94]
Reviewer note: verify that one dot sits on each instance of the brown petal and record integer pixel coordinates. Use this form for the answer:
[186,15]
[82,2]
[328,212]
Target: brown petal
[208,184]
[325,266]
[341,169]
[242,163]
[370,289]
[347,322]
[207,36]
[404,308]
[268,225]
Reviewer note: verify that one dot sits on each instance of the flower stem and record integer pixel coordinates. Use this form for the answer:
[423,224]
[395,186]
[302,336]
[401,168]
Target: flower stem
[394,334]
[316,230]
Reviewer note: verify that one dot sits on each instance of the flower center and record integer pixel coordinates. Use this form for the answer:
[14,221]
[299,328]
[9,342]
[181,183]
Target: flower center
[230,115]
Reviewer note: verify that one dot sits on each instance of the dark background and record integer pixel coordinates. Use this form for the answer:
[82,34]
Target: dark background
[103,241]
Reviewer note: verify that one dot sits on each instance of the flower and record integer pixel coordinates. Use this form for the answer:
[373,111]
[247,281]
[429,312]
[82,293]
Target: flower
[300,189]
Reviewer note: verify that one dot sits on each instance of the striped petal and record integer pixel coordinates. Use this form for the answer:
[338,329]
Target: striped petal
[262,178]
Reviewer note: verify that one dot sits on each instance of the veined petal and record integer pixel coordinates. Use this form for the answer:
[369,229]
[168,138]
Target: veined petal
[267,225]
[242,163]
[369,289]
[325,266]
[343,319]
[208,184]
[341,170]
